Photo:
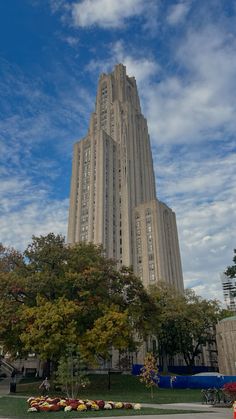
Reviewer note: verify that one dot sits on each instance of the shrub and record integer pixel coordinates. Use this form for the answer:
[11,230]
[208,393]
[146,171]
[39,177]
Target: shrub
[230,390]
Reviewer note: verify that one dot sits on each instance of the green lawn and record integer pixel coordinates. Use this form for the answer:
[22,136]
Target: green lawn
[11,407]
[123,388]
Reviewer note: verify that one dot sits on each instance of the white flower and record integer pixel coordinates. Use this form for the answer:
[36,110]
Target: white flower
[30,399]
[32,409]
[68,409]
[107,406]
[137,406]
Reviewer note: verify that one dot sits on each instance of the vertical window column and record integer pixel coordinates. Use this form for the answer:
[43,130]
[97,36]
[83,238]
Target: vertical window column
[149,236]
[85,195]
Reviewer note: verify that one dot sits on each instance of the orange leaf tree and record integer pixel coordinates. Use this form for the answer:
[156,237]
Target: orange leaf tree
[149,372]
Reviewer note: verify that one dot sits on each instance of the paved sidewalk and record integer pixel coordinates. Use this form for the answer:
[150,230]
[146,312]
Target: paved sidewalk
[225,414]
[212,412]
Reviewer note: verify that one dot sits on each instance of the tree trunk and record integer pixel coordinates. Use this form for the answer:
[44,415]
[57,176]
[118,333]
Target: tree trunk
[164,362]
[47,369]
[109,379]
[190,363]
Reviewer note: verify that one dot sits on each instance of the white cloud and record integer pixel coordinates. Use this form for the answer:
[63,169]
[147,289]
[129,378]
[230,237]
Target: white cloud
[41,218]
[27,209]
[207,240]
[36,139]
[72,41]
[143,68]
[57,5]
[107,13]
[178,12]
[200,185]
[198,102]
[35,117]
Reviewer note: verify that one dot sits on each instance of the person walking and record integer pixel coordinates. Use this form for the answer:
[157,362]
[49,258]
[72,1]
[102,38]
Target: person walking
[45,386]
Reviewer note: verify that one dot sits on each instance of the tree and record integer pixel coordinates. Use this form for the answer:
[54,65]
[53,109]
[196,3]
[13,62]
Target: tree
[113,329]
[11,298]
[71,373]
[187,322]
[149,371]
[10,259]
[49,326]
[54,295]
[198,325]
[169,308]
[231,270]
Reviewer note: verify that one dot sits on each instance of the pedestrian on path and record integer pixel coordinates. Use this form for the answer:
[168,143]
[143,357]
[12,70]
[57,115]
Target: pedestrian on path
[45,386]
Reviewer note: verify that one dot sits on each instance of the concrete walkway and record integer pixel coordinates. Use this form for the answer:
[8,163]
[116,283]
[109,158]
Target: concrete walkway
[224,414]
[211,412]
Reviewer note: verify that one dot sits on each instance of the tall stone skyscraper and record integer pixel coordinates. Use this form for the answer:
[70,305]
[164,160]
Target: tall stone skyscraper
[113,195]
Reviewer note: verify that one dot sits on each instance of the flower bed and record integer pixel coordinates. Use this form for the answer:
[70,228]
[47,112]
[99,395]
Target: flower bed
[49,404]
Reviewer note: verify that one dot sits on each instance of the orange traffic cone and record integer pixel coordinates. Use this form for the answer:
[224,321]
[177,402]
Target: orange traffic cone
[234,407]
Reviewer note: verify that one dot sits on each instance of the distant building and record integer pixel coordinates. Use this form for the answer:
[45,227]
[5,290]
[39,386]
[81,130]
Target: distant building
[113,195]
[229,291]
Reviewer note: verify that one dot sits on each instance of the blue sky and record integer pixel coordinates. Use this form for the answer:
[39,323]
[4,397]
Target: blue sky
[183,55]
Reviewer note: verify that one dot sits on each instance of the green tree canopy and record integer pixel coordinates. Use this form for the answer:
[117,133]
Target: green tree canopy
[49,326]
[231,270]
[53,295]
[186,322]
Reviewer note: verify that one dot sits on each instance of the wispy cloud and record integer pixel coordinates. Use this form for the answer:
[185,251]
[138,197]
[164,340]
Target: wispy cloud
[178,12]
[72,41]
[36,137]
[200,187]
[34,116]
[197,103]
[144,68]
[107,13]
[57,5]
[24,215]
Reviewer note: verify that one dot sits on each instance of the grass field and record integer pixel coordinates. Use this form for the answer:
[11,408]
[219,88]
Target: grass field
[123,388]
[11,407]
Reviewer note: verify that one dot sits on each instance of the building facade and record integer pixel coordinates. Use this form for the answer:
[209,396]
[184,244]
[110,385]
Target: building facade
[113,195]
[229,291]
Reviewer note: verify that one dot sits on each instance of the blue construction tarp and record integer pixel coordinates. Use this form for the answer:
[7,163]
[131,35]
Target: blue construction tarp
[190,381]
